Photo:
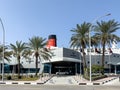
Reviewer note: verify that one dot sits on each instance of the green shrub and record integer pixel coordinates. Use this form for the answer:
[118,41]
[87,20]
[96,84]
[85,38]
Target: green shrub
[31,76]
[9,77]
[95,77]
[19,77]
[99,77]
[0,76]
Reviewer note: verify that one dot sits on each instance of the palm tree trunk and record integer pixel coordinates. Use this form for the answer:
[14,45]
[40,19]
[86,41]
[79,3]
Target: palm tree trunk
[103,56]
[84,63]
[18,66]
[36,65]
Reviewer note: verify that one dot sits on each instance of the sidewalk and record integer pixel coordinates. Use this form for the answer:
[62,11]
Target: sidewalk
[82,81]
[62,80]
[65,80]
[115,82]
[37,82]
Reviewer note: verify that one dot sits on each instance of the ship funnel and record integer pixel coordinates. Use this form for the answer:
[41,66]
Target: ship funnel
[51,41]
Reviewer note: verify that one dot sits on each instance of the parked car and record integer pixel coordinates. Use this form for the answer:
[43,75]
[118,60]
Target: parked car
[62,73]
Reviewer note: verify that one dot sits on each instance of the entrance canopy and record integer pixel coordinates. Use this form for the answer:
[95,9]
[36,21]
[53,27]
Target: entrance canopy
[114,63]
[65,55]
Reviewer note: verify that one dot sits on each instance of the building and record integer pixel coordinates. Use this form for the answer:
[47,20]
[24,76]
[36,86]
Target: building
[63,60]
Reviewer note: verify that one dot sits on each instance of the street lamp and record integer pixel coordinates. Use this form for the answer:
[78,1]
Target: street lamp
[3,48]
[90,42]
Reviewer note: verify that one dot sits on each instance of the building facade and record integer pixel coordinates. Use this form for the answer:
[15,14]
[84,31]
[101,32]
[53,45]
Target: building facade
[64,60]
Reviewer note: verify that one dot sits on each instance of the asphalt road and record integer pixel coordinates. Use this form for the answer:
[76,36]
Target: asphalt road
[57,87]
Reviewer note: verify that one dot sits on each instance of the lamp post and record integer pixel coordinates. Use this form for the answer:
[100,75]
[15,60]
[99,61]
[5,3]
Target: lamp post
[3,48]
[90,43]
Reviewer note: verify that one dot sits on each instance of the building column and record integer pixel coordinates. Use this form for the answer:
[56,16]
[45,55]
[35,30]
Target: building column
[115,69]
[109,68]
[50,68]
[75,68]
[80,69]
[0,68]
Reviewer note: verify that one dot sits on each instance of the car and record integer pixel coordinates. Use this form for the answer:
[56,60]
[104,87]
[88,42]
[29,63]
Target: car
[62,73]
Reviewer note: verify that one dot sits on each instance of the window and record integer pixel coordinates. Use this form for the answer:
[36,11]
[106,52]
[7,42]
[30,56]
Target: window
[105,62]
[88,62]
[98,62]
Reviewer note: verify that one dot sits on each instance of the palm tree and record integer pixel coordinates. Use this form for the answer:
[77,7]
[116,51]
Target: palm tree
[27,55]
[37,45]
[80,39]
[104,31]
[7,53]
[18,51]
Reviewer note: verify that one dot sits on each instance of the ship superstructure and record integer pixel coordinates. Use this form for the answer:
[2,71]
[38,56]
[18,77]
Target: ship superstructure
[112,58]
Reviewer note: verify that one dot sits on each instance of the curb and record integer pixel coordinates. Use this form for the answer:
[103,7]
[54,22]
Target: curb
[24,83]
[98,83]
[41,83]
[91,83]
[21,83]
[109,80]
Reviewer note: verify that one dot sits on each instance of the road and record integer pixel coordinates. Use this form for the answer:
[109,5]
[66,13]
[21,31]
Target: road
[57,87]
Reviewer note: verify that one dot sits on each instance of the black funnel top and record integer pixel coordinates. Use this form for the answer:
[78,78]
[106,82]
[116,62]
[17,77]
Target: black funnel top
[52,37]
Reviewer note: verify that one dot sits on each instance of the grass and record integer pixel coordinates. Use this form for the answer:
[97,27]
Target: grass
[95,77]
[21,78]
[28,79]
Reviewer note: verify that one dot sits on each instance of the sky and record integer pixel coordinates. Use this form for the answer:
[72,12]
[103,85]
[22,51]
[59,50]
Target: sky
[23,19]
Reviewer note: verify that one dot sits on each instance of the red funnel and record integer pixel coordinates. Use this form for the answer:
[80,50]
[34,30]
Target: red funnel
[51,41]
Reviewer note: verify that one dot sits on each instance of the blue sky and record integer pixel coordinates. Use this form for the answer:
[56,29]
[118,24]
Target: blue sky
[23,19]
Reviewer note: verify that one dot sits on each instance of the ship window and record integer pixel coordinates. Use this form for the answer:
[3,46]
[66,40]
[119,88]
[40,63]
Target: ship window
[114,55]
[88,62]
[106,62]
[98,62]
